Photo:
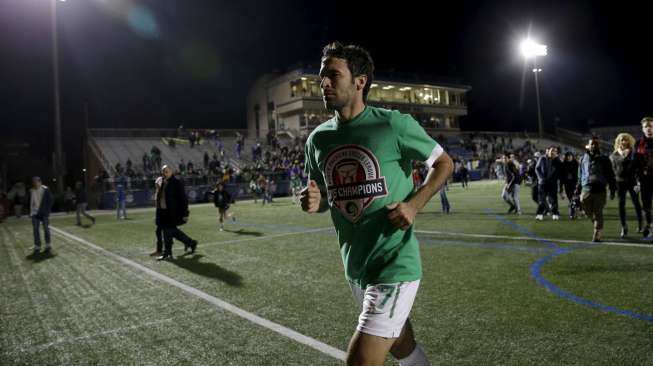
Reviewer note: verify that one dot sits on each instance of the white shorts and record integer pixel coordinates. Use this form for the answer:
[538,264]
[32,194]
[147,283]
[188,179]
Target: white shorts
[384,307]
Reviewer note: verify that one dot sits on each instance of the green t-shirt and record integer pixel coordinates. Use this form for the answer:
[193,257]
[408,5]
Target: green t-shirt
[363,165]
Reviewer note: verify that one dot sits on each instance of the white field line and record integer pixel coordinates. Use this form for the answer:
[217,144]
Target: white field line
[568,241]
[278,328]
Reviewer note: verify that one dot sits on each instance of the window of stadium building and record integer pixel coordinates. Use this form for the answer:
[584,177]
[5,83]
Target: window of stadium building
[391,93]
[305,87]
[427,96]
[312,118]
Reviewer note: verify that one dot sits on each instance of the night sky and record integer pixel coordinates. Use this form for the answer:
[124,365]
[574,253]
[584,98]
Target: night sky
[163,63]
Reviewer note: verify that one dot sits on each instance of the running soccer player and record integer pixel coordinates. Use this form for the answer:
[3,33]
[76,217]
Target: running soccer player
[359,167]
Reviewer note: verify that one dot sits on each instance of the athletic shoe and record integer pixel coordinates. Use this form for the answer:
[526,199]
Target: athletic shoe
[539,217]
[646,232]
[555,217]
[155,253]
[186,246]
[597,236]
[511,209]
[165,257]
[47,250]
[624,232]
[193,246]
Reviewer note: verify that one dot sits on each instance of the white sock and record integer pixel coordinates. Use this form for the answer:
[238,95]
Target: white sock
[416,358]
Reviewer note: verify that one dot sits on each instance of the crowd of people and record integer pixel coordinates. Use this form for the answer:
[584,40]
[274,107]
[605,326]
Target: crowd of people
[261,171]
[586,180]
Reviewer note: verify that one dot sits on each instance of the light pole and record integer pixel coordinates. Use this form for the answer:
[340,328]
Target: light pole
[58,153]
[530,50]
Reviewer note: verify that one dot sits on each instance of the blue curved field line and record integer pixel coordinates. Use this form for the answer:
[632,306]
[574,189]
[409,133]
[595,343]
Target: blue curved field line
[536,273]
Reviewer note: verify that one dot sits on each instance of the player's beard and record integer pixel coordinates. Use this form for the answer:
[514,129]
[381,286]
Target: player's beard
[339,100]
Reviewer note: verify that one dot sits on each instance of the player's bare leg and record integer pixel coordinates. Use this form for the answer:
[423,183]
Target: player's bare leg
[368,350]
[365,349]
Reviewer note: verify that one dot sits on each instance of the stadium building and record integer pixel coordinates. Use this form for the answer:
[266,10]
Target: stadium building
[292,102]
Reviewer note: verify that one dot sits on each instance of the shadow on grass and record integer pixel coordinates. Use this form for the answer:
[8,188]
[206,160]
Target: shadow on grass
[245,232]
[208,269]
[40,256]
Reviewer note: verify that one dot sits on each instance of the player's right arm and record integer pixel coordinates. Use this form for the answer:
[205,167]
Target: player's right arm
[312,199]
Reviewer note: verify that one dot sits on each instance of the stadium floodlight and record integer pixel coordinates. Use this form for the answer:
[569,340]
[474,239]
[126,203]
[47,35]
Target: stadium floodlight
[531,49]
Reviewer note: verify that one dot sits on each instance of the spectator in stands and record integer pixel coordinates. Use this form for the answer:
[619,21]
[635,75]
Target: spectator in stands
[256,151]
[238,149]
[191,139]
[68,198]
[121,197]
[569,180]
[625,167]
[172,211]
[155,157]
[118,168]
[510,191]
[128,165]
[190,167]
[81,203]
[548,169]
[206,160]
[40,204]
[594,174]
[182,167]
[645,170]
[146,163]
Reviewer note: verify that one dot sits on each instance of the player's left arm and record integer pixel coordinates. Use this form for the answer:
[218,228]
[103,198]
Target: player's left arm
[402,214]
[415,144]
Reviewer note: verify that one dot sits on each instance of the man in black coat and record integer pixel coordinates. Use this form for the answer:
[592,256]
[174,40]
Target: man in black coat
[172,211]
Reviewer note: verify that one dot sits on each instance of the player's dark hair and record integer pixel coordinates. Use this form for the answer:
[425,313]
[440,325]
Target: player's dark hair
[358,60]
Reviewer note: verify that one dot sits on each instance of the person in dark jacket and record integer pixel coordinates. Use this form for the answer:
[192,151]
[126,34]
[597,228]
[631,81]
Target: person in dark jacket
[644,156]
[464,174]
[568,181]
[510,192]
[158,232]
[594,175]
[222,200]
[171,212]
[532,177]
[548,170]
[81,203]
[40,205]
[625,166]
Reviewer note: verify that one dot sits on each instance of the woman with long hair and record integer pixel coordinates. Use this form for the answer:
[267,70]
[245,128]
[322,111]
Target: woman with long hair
[625,169]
